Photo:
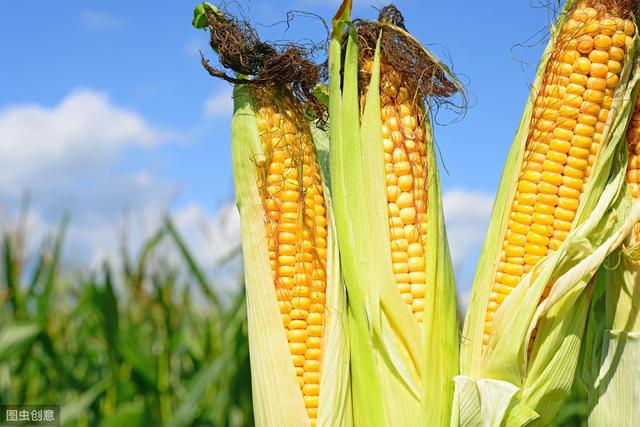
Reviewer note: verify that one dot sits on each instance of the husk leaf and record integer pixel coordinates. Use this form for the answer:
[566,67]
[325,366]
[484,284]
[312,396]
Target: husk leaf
[334,405]
[402,373]
[366,390]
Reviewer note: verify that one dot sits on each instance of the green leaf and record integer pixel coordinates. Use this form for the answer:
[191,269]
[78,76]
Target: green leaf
[189,408]
[128,414]
[441,318]
[321,93]
[105,300]
[345,136]
[51,271]
[199,275]
[12,274]
[134,351]
[199,14]
[617,397]
[147,249]
[74,409]
[15,337]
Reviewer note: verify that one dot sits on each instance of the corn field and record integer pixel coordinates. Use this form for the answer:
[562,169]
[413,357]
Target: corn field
[135,344]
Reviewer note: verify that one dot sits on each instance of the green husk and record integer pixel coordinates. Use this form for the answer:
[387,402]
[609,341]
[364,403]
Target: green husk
[602,221]
[612,371]
[618,399]
[611,368]
[402,374]
[277,398]
[334,406]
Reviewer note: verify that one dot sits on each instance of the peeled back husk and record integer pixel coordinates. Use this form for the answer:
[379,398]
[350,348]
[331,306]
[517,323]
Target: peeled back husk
[509,382]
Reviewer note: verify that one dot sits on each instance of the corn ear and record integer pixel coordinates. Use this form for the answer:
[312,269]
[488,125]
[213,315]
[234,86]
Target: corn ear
[277,396]
[513,379]
[611,370]
[401,371]
[613,366]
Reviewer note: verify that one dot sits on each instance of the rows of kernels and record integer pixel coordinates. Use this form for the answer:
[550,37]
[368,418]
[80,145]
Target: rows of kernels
[568,122]
[297,240]
[403,138]
[633,167]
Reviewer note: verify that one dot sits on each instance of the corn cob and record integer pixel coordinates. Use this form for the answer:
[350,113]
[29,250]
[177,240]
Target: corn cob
[569,119]
[296,230]
[405,158]
[298,346]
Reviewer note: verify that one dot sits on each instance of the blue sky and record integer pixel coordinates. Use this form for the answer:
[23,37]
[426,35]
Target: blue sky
[105,111]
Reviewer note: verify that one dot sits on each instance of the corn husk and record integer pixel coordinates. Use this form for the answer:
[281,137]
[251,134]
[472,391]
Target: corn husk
[277,399]
[401,373]
[613,374]
[611,368]
[504,385]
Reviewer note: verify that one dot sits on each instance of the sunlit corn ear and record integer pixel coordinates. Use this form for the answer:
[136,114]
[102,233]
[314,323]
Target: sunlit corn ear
[295,300]
[393,246]
[558,213]
[611,368]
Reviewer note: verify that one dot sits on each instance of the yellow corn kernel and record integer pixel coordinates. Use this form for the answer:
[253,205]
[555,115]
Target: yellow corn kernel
[406,180]
[572,112]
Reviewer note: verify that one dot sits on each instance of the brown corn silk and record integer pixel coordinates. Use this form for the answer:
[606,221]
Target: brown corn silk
[569,118]
[633,167]
[405,157]
[296,229]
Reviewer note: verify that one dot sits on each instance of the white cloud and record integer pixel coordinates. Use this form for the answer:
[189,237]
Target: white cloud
[70,157]
[66,156]
[467,217]
[123,209]
[31,223]
[219,104]
[46,148]
[100,20]
[464,296]
[211,236]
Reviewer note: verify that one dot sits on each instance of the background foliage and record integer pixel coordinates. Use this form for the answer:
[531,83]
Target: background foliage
[144,341]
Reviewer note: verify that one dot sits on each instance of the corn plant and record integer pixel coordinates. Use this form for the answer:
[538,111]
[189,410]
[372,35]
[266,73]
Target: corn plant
[125,346]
